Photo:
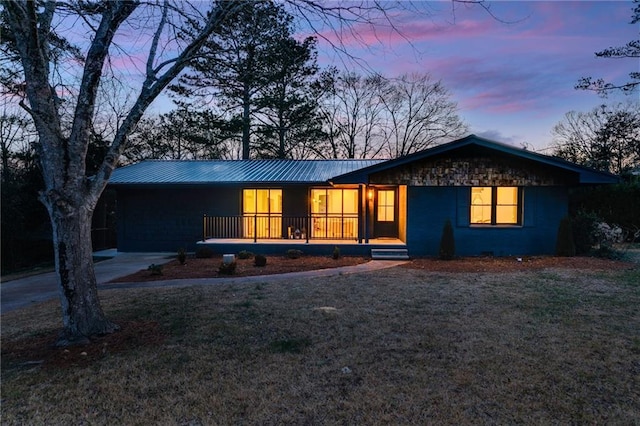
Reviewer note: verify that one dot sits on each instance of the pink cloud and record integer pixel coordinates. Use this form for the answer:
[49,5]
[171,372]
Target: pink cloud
[363,35]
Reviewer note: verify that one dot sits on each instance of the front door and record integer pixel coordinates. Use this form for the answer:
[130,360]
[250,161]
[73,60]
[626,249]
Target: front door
[385,213]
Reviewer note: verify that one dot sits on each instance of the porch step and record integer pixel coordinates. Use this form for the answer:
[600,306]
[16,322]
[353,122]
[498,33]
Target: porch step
[389,254]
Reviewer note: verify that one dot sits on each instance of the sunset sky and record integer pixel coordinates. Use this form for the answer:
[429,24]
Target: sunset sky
[512,74]
[513,81]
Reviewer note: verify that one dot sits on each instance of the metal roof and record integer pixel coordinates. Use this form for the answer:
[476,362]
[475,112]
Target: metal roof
[234,171]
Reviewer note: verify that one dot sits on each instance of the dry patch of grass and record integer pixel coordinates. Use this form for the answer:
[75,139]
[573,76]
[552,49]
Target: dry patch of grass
[399,346]
[516,264]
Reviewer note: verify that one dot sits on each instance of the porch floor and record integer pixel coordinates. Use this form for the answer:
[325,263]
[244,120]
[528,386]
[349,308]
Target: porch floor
[284,241]
[315,247]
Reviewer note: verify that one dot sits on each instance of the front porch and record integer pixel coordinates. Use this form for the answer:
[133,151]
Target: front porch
[313,220]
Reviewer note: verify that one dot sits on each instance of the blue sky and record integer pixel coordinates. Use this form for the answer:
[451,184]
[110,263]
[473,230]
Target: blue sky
[512,81]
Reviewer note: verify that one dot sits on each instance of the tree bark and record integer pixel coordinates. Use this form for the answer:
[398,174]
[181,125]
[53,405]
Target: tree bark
[82,314]
[246,124]
[69,195]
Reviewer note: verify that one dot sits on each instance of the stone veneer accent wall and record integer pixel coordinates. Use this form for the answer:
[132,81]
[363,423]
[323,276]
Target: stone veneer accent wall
[476,171]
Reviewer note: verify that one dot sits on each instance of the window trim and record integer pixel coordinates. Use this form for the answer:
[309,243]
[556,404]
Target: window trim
[494,205]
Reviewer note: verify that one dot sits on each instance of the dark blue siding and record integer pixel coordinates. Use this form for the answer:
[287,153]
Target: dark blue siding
[429,207]
[295,201]
[166,219]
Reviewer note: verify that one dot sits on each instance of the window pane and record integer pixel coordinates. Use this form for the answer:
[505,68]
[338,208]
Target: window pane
[507,195]
[350,227]
[386,206]
[318,201]
[481,204]
[319,229]
[350,201]
[507,214]
[275,200]
[262,200]
[249,201]
[334,198]
[507,205]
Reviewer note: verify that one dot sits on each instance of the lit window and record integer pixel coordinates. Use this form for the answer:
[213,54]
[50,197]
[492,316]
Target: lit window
[386,206]
[495,205]
[507,205]
[334,213]
[262,211]
[481,205]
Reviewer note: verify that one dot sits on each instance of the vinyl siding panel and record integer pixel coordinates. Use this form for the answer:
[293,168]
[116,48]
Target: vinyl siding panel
[429,207]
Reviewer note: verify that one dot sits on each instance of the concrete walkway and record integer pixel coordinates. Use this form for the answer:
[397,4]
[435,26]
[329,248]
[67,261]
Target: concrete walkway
[26,291]
[23,292]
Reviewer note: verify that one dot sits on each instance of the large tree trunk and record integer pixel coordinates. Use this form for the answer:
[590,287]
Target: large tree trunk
[70,196]
[246,123]
[82,314]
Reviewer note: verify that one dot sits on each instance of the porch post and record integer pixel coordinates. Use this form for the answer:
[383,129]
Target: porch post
[255,228]
[307,227]
[204,228]
[361,197]
[366,216]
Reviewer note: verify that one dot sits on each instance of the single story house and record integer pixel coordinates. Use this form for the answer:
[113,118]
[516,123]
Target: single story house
[501,200]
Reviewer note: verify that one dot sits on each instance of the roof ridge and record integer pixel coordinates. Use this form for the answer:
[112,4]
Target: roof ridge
[203,160]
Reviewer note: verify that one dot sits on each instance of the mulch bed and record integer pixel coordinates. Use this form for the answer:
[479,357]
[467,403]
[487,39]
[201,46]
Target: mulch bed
[41,351]
[208,268]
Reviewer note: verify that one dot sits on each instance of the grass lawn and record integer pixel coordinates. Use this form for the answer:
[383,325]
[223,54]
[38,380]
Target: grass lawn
[399,346]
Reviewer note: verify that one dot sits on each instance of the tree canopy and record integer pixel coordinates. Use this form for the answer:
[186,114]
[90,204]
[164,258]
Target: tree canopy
[630,50]
[606,138]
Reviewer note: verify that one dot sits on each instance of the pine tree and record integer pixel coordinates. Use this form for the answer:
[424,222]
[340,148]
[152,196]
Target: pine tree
[239,64]
[289,122]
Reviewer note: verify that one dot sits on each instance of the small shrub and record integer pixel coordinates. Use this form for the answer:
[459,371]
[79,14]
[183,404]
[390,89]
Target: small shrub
[447,242]
[583,226]
[244,254]
[294,253]
[204,253]
[260,260]
[182,256]
[608,252]
[227,268]
[565,245]
[608,235]
[155,269]
[336,253]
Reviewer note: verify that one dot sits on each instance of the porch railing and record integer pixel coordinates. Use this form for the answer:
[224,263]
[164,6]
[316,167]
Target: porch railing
[263,226]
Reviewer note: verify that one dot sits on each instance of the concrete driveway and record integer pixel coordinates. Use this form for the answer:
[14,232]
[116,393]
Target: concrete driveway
[39,288]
